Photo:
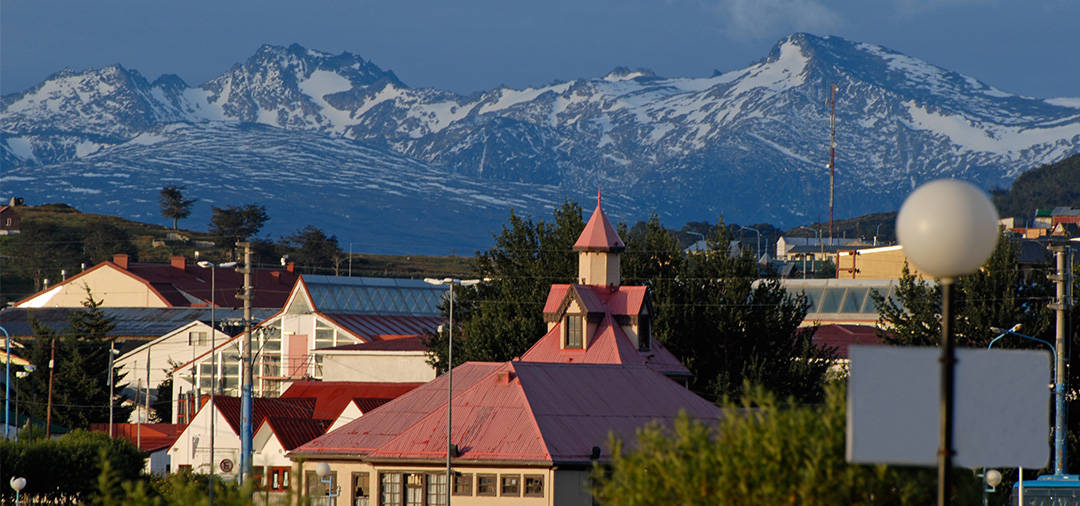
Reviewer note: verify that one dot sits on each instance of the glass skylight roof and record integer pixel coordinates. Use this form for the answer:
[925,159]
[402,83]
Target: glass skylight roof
[842,296]
[384,296]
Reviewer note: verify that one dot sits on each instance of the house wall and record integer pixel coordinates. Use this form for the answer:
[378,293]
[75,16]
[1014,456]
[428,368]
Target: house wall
[157,462]
[394,367]
[562,487]
[193,446]
[350,413]
[598,268]
[877,263]
[164,353]
[113,287]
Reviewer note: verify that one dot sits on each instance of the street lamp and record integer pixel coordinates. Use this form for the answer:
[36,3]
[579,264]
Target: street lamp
[757,242]
[7,381]
[332,493]
[213,362]
[1059,394]
[18,484]
[450,371]
[113,352]
[947,228]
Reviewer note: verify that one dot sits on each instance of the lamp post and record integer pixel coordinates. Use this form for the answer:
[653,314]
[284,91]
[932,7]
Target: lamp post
[112,356]
[332,493]
[213,360]
[757,242]
[1059,394]
[7,381]
[450,372]
[947,228]
[27,369]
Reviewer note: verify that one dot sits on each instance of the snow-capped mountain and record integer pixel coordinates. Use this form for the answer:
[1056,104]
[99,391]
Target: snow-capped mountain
[749,144]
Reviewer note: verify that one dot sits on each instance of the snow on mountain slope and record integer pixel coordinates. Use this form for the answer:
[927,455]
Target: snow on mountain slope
[692,148]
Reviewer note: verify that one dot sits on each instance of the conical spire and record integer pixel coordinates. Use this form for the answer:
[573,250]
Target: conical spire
[599,235]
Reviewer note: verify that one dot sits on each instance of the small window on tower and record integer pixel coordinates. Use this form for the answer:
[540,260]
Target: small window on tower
[644,339]
[573,336]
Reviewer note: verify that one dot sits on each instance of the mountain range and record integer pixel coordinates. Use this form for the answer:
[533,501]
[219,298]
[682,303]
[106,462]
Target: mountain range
[336,141]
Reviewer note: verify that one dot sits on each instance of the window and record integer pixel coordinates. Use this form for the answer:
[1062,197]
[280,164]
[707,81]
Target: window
[279,479]
[390,489]
[485,484]
[643,333]
[463,484]
[534,485]
[573,337]
[184,468]
[361,489]
[324,335]
[414,489]
[510,485]
[197,338]
[314,486]
[271,338]
[436,489]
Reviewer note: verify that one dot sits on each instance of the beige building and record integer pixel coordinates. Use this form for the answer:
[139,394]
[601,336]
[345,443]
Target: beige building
[874,263]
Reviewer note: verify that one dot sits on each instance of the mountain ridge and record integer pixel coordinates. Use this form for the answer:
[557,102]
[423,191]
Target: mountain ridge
[689,148]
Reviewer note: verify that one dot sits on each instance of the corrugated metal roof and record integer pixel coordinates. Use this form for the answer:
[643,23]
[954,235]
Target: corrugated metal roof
[366,405]
[263,407]
[375,327]
[272,286]
[599,235]
[392,343]
[149,437]
[365,295]
[293,432]
[332,396]
[131,322]
[608,345]
[517,411]
[624,300]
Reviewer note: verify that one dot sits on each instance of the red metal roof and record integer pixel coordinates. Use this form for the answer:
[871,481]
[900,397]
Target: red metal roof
[149,437]
[376,327]
[293,432]
[332,396]
[608,345]
[599,235]
[366,405]
[623,300]
[390,343]
[263,407]
[272,286]
[841,336]
[517,411]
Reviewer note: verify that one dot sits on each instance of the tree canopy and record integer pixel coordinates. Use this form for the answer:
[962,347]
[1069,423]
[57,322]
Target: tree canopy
[313,250]
[231,223]
[174,205]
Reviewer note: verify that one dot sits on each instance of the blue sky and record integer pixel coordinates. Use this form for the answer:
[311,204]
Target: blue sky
[1027,47]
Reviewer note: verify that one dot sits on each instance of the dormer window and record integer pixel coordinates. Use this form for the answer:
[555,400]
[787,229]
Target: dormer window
[644,339]
[573,332]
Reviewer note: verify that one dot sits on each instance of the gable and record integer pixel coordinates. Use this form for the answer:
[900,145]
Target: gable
[113,286]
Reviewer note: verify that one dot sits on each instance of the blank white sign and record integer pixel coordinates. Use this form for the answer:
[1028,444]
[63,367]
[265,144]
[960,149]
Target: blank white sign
[1001,409]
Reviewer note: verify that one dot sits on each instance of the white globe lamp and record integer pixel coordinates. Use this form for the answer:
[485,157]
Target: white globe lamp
[947,228]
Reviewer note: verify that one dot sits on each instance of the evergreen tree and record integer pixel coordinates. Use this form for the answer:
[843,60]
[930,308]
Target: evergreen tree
[231,223]
[313,250]
[174,205]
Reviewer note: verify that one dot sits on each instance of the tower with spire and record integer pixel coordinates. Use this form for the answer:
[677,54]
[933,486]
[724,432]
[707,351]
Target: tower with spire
[599,247]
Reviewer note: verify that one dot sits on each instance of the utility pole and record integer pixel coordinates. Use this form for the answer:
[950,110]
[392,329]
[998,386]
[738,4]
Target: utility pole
[48,405]
[245,399]
[832,157]
[1062,302]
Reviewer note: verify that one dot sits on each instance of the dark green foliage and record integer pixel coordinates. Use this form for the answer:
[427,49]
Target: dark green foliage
[762,451]
[313,251]
[103,240]
[43,249]
[66,470]
[504,317]
[80,380]
[707,308]
[174,205]
[1000,294]
[231,223]
[1049,186]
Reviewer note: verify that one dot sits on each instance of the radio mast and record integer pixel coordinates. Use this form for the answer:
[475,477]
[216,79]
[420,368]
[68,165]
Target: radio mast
[832,157]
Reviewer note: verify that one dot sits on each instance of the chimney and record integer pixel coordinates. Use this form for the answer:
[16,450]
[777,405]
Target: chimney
[290,267]
[179,262]
[276,275]
[121,259]
[503,377]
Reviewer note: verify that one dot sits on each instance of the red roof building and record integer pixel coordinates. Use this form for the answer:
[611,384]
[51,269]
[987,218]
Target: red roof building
[180,283]
[526,430]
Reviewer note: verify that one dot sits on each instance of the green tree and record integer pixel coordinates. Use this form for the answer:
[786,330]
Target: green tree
[313,250]
[504,316]
[174,205]
[101,241]
[761,451]
[80,391]
[231,223]
[67,470]
[43,249]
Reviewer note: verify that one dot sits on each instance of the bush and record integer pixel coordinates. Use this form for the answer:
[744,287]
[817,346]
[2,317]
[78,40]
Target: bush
[66,470]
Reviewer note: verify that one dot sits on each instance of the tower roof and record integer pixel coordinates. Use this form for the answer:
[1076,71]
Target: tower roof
[599,235]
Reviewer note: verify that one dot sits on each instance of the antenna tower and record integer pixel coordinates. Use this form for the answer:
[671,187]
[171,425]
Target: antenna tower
[832,157]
